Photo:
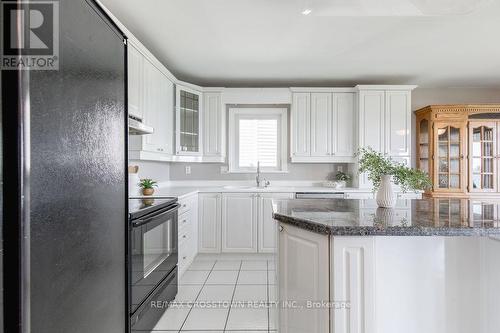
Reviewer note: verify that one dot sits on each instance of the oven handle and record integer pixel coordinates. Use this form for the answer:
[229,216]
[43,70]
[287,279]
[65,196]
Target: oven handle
[140,222]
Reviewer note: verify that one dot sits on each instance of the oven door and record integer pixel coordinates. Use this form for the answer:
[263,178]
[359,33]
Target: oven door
[154,252]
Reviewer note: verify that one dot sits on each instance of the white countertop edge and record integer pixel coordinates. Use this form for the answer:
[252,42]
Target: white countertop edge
[185,191]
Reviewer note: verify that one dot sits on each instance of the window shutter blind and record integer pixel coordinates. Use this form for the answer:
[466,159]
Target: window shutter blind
[258,141]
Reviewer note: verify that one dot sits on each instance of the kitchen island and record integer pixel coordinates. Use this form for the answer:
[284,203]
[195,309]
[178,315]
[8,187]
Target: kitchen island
[430,265]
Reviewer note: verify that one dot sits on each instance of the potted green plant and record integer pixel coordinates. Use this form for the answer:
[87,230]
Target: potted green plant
[380,170]
[341,179]
[147,186]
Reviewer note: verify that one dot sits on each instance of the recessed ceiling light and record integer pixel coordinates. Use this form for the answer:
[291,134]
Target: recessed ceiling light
[306,11]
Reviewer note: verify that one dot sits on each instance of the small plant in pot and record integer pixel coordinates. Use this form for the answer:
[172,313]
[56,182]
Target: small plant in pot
[381,170]
[147,186]
[341,179]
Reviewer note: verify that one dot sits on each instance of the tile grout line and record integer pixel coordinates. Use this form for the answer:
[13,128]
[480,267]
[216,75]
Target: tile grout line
[198,295]
[268,301]
[232,297]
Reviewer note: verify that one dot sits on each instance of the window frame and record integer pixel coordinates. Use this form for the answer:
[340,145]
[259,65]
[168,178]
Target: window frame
[235,114]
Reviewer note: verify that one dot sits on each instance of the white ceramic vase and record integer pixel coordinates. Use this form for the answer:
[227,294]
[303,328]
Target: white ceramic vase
[385,195]
[339,184]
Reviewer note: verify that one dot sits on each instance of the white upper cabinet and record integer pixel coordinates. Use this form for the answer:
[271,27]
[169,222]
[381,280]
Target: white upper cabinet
[385,119]
[323,127]
[213,127]
[344,117]
[300,124]
[135,82]
[158,93]
[188,120]
[371,119]
[397,123]
[385,122]
[321,124]
[151,95]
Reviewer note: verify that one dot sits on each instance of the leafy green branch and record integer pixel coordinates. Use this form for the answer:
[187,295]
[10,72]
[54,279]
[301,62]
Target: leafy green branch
[377,165]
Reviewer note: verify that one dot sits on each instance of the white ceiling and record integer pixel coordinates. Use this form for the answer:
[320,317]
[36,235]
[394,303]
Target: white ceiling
[270,43]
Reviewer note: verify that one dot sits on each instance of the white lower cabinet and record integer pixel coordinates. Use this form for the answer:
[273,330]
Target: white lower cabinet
[267,226]
[339,271]
[187,232]
[239,222]
[209,222]
[352,281]
[303,261]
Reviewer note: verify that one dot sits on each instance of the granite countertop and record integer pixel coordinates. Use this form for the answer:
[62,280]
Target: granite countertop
[410,217]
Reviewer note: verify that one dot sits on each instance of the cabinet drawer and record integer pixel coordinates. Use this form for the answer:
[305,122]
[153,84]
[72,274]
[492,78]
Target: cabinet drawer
[184,220]
[186,205]
[186,254]
[185,233]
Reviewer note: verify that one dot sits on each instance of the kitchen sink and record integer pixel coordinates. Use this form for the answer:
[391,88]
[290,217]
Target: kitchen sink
[250,188]
[236,187]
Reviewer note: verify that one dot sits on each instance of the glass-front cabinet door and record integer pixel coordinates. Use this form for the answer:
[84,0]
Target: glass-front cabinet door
[449,168]
[187,121]
[424,142]
[483,157]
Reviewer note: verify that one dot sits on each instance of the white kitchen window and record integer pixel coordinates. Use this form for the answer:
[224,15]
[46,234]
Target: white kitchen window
[257,135]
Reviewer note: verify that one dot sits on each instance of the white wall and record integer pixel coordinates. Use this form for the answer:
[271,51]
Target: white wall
[426,96]
[159,171]
[319,172]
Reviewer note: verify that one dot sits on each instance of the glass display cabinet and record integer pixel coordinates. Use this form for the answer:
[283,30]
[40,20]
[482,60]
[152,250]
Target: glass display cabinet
[458,146]
[482,156]
[449,168]
[187,121]
[424,143]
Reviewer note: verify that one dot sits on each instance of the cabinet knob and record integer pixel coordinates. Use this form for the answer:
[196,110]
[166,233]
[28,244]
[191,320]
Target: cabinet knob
[184,236]
[184,258]
[184,221]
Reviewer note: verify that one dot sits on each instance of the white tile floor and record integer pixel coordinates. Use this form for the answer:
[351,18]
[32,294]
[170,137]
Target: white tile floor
[224,293]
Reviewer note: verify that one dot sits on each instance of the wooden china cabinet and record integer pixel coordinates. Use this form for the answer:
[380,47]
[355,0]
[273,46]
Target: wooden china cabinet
[459,147]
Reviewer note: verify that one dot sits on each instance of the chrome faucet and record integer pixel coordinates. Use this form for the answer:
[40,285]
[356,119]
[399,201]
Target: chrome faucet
[258,178]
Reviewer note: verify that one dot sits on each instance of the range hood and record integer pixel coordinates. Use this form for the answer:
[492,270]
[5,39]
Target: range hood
[136,127]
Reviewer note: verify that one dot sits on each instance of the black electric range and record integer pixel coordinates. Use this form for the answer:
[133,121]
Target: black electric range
[153,258]
[138,207]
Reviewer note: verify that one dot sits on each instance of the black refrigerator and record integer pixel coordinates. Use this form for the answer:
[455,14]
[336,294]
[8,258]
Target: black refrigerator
[64,183]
